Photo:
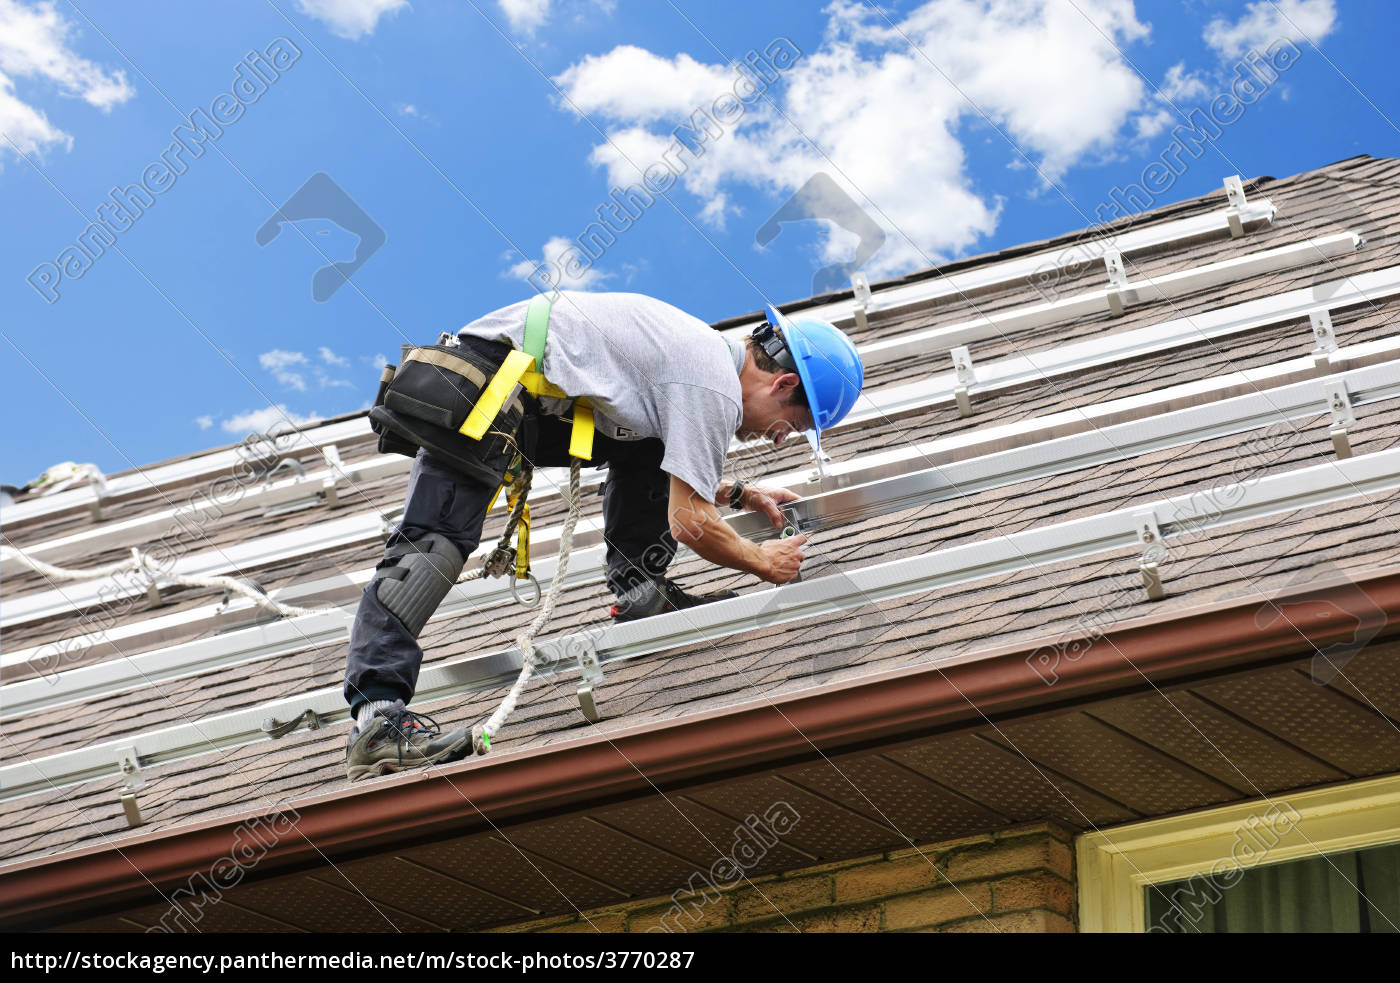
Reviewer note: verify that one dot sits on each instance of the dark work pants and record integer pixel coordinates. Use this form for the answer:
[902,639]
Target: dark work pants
[384,657]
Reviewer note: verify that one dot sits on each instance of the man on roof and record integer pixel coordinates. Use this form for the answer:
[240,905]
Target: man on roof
[667,394]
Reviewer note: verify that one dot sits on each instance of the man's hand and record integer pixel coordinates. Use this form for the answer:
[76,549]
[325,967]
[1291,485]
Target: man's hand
[784,558]
[696,523]
[759,498]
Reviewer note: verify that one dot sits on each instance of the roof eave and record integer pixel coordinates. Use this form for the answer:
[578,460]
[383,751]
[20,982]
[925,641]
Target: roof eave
[883,708]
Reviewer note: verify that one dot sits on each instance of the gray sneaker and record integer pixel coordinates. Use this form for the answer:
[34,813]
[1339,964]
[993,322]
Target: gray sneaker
[397,738]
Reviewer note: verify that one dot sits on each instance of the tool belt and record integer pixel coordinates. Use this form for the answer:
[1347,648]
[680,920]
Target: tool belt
[468,410]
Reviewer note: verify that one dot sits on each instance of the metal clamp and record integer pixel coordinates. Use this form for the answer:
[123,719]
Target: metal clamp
[585,653]
[1150,536]
[273,727]
[1117,282]
[1234,191]
[130,766]
[966,376]
[449,339]
[1321,323]
[1334,390]
[860,286]
[328,487]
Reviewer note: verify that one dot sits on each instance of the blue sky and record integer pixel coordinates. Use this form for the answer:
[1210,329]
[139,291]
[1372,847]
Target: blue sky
[483,136]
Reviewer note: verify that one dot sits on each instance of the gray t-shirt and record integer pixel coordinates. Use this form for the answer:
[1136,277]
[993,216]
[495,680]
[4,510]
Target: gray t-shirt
[649,369]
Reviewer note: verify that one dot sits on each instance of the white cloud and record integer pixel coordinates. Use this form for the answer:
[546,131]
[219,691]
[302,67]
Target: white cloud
[673,88]
[331,358]
[377,361]
[876,99]
[204,422]
[567,277]
[1179,91]
[351,19]
[34,44]
[1266,22]
[279,363]
[269,419]
[525,15]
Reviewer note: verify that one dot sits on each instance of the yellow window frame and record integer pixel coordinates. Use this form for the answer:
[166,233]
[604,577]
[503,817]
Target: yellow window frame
[1115,866]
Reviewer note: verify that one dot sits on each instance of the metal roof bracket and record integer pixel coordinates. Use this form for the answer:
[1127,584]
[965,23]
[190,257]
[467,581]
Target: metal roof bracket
[132,810]
[275,728]
[337,471]
[130,766]
[1321,322]
[860,286]
[1234,191]
[1150,536]
[1334,389]
[585,652]
[962,368]
[389,521]
[1117,282]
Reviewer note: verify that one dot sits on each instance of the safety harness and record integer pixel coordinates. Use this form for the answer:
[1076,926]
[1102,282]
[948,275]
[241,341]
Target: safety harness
[523,368]
[519,369]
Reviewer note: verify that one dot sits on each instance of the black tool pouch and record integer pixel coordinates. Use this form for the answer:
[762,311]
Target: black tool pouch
[424,401]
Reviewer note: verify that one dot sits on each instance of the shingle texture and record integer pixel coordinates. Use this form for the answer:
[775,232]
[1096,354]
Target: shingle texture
[1136,755]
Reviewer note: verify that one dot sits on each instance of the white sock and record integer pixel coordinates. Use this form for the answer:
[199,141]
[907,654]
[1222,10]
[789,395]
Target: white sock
[367,710]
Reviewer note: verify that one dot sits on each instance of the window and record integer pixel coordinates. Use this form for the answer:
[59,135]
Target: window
[1355,891]
[1293,862]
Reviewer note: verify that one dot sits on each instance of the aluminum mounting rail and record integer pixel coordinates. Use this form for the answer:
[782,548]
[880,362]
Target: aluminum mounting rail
[1039,266]
[890,401]
[344,588]
[877,484]
[1190,513]
[178,472]
[993,274]
[206,506]
[1096,302]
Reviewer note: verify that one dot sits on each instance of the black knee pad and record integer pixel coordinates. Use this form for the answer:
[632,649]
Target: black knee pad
[415,585]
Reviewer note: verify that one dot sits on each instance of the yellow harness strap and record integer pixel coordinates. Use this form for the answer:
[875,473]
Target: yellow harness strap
[522,544]
[519,370]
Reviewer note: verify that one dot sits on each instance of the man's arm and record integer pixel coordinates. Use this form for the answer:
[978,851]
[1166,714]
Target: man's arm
[759,498]
[696,523]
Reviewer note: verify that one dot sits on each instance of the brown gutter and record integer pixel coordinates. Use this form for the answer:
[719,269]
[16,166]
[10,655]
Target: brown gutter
[893,705]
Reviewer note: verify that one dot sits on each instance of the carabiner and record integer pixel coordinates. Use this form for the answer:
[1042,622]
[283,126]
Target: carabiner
[515,591]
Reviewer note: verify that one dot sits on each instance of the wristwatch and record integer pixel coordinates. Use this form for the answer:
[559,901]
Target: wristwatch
[736,496]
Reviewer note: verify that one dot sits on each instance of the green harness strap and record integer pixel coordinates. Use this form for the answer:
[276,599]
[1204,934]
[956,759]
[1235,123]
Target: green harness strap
[536,329]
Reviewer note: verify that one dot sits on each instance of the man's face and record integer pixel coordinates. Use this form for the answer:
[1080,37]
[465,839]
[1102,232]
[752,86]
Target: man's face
[768,416]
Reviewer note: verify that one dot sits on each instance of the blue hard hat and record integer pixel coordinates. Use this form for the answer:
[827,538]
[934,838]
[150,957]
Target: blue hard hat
[827,363]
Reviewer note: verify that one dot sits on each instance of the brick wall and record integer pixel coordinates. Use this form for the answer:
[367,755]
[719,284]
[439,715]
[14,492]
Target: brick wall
[1019,880]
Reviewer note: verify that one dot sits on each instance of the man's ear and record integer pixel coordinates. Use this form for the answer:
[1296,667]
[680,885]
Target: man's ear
[785,383]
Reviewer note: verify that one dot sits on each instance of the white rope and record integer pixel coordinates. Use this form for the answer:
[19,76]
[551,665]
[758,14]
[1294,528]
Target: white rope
[525,641]
[140,564]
